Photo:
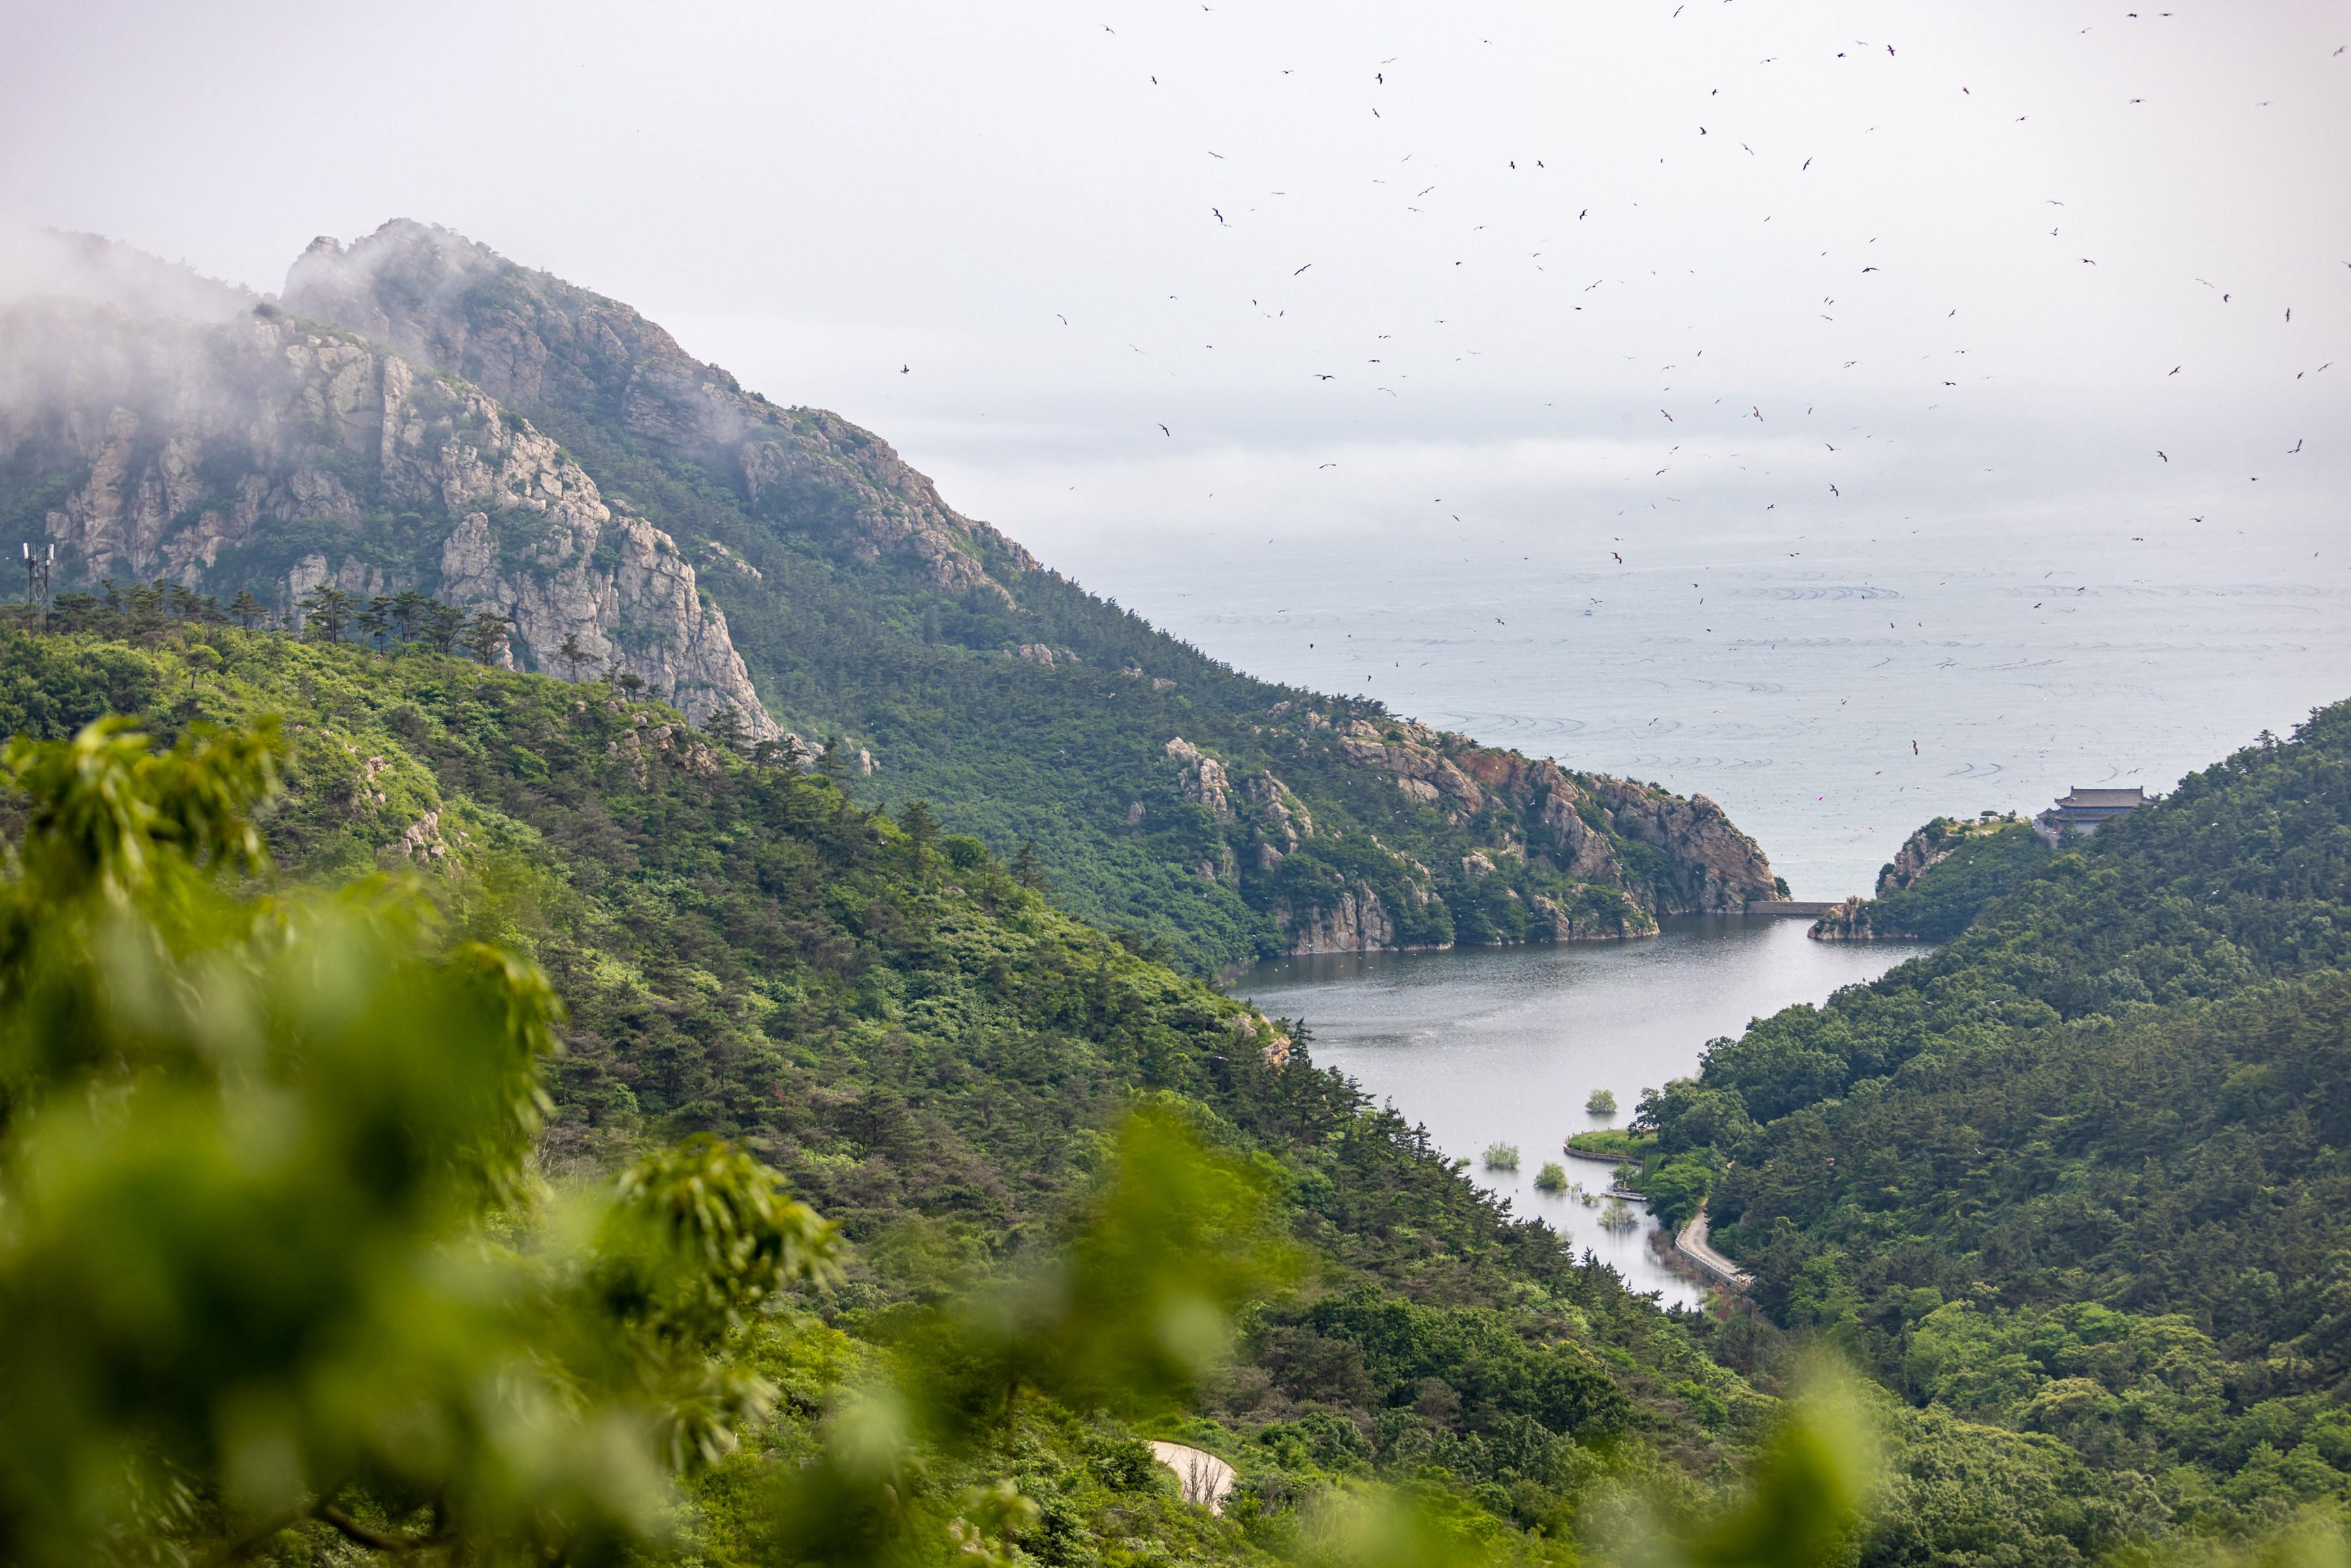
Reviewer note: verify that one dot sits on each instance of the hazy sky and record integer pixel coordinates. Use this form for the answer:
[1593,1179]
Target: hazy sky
[1528,232]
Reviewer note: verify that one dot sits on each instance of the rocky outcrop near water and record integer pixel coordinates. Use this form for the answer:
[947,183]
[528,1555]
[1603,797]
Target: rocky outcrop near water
[1351,920]
[537,343]
[1861,920]
[1853,920]
[1925,848]
[266,454]
[1546,854]
[1716,869]
[1937,881]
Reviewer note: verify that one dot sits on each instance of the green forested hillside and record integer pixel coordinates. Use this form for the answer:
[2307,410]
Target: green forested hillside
[931,1052]
[936,1059]
[2085,1170]
[419,415]
[1971,865]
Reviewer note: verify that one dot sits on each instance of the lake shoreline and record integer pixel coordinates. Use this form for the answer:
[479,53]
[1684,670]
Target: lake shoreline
[1490,1043]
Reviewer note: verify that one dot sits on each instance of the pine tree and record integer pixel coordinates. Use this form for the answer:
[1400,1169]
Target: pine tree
[443,625]
[326,610]
[246,608]
[487,635]
[377,623]
[571,656]
[725,727]
[410,609]
[922,831]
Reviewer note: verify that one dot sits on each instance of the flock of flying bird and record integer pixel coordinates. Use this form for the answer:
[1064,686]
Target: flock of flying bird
[1380,77]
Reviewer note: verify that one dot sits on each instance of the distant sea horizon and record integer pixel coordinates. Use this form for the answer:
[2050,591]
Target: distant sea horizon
[1831,696]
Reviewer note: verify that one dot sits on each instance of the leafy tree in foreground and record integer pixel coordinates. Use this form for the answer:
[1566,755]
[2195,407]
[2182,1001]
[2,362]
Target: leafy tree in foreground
[272,1260]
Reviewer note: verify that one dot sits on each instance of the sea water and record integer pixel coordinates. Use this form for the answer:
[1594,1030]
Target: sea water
[1831,695]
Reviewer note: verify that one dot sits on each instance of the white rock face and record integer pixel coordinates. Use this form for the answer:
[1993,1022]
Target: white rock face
[1350,921]
[1203,780]
[184,443]
[532,339]
[1205,1478]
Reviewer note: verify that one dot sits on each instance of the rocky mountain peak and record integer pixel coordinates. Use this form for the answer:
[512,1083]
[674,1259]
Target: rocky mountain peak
[270,455]
[554,350]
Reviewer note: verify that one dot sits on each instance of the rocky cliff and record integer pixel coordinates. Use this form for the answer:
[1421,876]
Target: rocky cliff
[1546,854]
[1936,882]
[419,410]
[540,343]
[260,453]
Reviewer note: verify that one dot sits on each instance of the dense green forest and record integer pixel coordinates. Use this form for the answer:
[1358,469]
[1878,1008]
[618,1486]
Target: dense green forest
[2086,1170]
[1032,1140]
[1971,863]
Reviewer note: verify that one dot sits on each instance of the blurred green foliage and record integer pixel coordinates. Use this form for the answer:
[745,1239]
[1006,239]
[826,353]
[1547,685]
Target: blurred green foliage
[318,1242]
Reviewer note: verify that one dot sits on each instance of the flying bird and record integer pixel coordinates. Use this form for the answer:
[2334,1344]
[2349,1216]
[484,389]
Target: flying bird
[1164,431]
[1301,269]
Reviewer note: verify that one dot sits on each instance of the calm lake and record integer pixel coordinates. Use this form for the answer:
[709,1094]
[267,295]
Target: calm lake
[1505,1044]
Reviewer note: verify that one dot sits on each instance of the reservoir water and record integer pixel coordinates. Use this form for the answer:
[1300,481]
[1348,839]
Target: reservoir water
[1482,1045]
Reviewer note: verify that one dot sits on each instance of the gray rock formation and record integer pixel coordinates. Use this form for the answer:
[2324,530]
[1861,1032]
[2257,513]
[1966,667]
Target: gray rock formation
[259,452]
[537,342]
[1720,868]
[1201,778]
[1519,809]
[1351,921]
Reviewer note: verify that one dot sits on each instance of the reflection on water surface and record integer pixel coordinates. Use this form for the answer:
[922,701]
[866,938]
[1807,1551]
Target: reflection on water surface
[1505,1044]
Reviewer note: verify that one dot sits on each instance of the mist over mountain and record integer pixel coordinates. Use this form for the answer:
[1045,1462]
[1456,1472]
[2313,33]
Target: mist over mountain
[415,412]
